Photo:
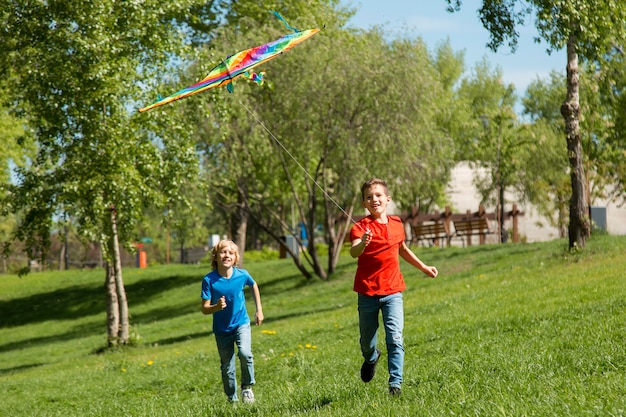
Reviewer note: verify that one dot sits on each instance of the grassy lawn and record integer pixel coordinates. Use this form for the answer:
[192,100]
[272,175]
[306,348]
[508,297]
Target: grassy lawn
[510,330]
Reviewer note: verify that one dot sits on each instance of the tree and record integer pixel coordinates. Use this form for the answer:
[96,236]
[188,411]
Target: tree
[17,148]
[544,179]
[588,30]
[76,68]
[610,95]
[491,139]
[299,146]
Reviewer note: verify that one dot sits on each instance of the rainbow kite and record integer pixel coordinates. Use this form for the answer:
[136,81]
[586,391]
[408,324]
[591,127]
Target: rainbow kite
[237,65]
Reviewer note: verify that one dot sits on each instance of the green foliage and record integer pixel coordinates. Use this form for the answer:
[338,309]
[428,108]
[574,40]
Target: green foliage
[91,155]
[313,133]
[504,330]
[544,181]
[610,93]
[589,30]
[264,254]
[596,25]
[541,103]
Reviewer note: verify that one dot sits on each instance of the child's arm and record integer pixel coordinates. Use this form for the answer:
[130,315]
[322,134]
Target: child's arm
[408,255]
[358,245]
[208,308]
[258,317]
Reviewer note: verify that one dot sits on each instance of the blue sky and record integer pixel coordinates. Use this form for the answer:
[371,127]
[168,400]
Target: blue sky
[430,20]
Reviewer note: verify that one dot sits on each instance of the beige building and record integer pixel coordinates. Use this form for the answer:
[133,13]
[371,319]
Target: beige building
[532,227]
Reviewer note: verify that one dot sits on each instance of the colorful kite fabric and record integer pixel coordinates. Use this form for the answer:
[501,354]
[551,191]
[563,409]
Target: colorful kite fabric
[237,65]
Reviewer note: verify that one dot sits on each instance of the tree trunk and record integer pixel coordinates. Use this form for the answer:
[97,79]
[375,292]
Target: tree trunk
[579,226]
[61,257]
[241,226]
[113,308]
[117,304]
[124,329]
[310,226]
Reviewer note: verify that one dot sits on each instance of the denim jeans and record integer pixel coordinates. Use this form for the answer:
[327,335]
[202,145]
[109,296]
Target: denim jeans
[392,310]
[226,348]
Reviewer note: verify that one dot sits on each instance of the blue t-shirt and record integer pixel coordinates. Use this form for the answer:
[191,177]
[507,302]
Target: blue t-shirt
[214,286]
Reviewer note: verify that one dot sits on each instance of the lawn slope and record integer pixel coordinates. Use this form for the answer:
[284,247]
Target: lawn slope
[511,330]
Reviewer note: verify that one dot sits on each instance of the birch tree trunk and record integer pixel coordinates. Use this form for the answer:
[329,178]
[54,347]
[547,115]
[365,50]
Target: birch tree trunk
[113,308]
[123,331]
[579,225]
[117,304]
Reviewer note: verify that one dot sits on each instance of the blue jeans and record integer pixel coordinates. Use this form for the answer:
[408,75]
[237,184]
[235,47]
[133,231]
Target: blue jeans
[393,320]
[226,348]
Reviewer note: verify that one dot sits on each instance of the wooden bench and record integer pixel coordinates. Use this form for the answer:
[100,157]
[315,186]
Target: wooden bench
[430,232]
[467,228]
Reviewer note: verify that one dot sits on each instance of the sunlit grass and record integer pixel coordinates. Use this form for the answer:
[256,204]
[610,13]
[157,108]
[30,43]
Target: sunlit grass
[512,330]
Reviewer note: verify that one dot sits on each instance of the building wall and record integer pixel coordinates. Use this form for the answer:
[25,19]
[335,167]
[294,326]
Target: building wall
[532,226]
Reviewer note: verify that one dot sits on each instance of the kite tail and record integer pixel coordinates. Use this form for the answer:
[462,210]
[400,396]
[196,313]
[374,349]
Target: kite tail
[284,21]
[253,76]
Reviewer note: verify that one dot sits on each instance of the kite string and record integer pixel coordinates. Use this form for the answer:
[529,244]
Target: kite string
[260,122]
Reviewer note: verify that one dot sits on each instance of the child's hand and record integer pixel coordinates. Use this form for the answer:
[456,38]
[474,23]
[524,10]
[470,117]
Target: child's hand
[258,318]
[431,271]
[221,303]
[367,237]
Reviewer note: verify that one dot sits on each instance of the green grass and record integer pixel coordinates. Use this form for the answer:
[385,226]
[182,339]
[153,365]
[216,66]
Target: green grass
[511,330]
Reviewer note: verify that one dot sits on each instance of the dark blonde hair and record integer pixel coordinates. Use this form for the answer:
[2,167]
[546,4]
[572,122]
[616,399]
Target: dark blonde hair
[218,248]
[373,181]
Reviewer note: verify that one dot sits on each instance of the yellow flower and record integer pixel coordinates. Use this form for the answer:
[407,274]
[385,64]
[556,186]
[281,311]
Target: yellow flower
[150,363]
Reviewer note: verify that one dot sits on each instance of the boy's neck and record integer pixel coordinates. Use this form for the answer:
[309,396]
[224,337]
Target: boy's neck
[225,272]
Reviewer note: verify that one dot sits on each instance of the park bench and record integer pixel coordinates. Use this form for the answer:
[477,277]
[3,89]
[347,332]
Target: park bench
[433,233]
[466,228]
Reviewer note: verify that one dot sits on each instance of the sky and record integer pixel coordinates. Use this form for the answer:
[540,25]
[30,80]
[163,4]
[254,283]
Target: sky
[430,20]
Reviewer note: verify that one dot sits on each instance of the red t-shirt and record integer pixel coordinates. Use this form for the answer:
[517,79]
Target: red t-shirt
[378,267]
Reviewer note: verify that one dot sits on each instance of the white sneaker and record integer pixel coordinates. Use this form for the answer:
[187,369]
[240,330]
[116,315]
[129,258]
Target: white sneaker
[247,396]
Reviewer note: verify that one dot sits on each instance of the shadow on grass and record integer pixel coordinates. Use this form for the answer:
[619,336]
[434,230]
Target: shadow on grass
[78,332]
[313,311]
[278,285]
[162,314]
[268,321]
[63,304]
[78,301]
[20,368]
[183,338]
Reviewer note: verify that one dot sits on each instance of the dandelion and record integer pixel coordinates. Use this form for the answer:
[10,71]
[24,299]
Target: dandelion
[308,346]
[123,369]
[268,331]
[150,362]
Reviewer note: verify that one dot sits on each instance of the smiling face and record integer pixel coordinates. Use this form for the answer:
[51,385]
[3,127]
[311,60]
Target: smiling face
[225,255]
[375,200]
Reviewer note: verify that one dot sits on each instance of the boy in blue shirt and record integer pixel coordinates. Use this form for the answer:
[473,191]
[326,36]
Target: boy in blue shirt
[223,296]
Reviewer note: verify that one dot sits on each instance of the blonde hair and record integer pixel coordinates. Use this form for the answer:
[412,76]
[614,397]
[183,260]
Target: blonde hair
[219,247]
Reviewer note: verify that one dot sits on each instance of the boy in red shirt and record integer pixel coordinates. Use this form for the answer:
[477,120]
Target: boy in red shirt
[377,241]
